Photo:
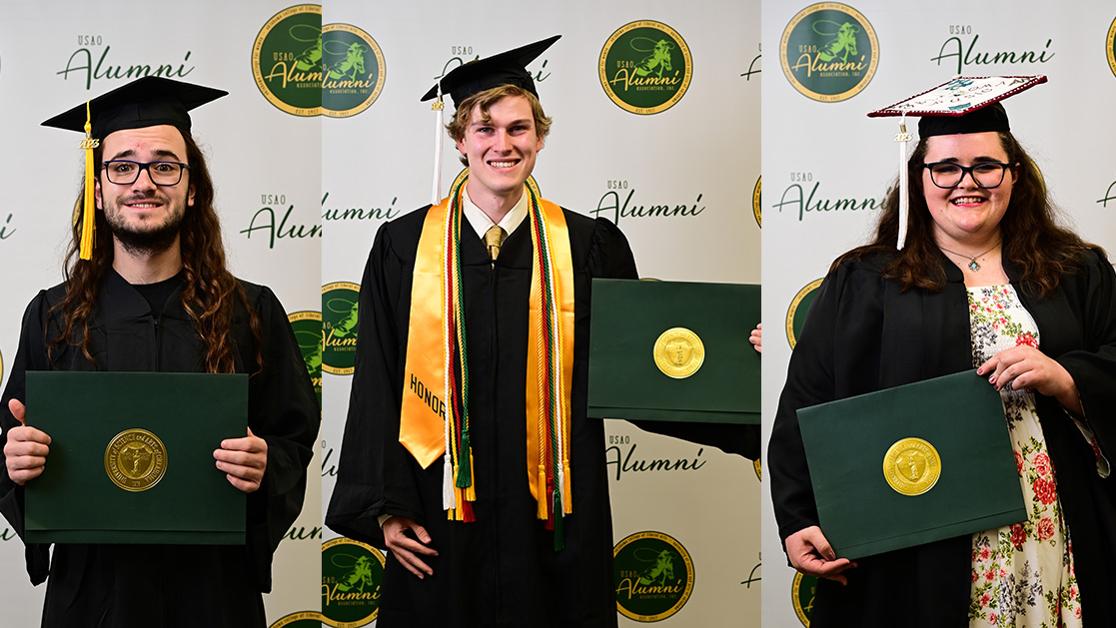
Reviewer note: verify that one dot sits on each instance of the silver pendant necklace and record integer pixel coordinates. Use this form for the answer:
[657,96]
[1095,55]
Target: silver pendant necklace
[973,265]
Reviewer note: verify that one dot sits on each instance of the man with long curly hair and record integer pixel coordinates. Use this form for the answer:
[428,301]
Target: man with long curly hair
[146,289]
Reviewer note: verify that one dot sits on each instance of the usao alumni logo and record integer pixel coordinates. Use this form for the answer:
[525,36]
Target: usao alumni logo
[353,70]
[654,576]
[829,52]
[645,67]
[287,60]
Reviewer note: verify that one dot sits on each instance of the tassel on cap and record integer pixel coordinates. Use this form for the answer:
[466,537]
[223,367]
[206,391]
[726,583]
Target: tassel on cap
[903,137]
[85,251]
[439,130]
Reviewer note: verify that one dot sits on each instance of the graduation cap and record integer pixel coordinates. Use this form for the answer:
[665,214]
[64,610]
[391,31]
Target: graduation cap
[144,102]
[505,68]
[965,104]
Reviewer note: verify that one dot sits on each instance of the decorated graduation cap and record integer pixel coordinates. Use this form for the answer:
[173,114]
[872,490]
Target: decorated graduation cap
[145,102]
[505,68]
[965,104]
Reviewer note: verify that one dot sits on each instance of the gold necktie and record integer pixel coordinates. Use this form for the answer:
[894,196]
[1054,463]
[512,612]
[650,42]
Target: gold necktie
[493,238]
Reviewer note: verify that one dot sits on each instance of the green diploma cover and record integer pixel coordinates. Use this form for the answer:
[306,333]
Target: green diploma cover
[912,464]
[131,457]
[674,351]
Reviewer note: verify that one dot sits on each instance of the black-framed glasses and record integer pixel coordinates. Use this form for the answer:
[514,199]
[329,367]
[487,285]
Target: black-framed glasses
[948,175]
[126,171]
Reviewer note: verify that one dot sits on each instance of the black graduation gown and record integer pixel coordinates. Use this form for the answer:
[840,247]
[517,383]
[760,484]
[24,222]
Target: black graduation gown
[173,585]
[501,570]
[864,334]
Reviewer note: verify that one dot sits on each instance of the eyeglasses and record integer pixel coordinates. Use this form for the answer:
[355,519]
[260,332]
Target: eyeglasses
[948,175]
[126,172]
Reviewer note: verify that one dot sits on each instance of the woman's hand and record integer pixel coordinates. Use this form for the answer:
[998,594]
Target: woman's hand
[1024,366]
[811,554]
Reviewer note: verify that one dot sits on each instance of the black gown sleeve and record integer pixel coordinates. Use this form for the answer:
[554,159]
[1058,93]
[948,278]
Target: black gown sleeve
[283,410]
[1093,367]
[610,257]
[810,380]
[30,355]
[374,474]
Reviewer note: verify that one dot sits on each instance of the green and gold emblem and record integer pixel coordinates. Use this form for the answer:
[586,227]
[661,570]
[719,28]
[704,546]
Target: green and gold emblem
[829,52]
[654,576]
[912,466]
[287,60]
[339,327]
[757,206]
[678,352]
[307,328]
[300,619]
[352,573]
[353,70]
[803,588]
[1110,47]
[799,309]
[645,67]
[135,460]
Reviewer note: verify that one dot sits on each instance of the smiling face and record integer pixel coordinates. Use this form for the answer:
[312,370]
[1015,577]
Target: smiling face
[143,216]
[966,215]
[501,148]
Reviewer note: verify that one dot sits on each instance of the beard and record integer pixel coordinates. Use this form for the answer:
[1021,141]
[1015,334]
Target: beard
[148,239]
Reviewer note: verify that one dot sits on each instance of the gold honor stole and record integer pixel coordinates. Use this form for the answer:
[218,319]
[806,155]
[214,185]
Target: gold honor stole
[434,418]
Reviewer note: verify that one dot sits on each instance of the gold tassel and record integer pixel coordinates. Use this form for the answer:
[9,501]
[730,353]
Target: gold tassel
[88,144]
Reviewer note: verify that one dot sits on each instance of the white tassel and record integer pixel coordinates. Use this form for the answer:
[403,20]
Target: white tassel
[902,138]
[448,498]
[439,131]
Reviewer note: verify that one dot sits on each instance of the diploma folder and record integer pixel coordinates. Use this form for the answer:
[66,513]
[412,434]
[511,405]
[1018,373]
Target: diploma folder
[847,444]
[76,501]
[631,327]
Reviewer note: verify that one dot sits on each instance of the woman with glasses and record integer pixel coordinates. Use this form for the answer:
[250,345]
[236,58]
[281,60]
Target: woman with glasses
[986,278]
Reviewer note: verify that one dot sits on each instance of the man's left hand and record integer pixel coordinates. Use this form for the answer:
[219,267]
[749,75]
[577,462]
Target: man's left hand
[244,461]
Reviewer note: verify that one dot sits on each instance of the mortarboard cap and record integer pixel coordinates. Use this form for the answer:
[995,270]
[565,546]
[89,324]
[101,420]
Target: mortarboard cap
[148,101]
[965,104]
[506,68]
[144,102]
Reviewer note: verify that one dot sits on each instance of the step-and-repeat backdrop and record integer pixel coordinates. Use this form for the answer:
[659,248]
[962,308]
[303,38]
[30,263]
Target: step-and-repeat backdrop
[676,168]
[263,146]
[826,166]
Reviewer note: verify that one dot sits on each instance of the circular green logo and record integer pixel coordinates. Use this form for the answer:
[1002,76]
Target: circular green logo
[300,619]
[757,207]
[307,327]
[802,596]
[645,67]
[339,327]
[351,576]
[353,70]
[287,60]
[654,576]
[1110,47]
[799,309]
[829,52]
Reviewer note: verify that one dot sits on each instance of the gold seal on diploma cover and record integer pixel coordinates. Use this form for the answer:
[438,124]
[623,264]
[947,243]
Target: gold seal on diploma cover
[135,460]
[679,353]
[912,466]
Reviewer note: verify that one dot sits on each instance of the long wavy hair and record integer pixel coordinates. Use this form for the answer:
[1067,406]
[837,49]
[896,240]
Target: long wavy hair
[1032,240]
[209,292]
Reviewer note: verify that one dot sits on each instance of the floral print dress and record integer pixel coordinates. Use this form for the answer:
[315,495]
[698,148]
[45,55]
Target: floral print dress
[1022,574]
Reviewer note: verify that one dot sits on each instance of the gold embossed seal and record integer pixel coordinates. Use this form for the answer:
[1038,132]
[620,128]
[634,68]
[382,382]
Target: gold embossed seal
[679,352]
[912,466]
[135,460]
